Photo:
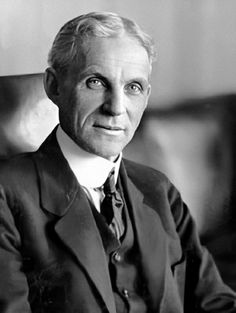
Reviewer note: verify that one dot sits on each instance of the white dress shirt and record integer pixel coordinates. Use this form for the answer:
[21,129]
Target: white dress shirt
[90,170]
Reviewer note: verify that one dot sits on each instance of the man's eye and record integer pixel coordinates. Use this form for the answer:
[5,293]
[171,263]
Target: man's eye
[95,83]
[134,88]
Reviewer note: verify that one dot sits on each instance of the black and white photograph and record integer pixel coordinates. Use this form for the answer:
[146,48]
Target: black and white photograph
[117,156]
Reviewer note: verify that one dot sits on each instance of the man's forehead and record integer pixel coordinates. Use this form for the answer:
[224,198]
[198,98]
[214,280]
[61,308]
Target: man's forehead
[105,53]
[110,63]
[113,48]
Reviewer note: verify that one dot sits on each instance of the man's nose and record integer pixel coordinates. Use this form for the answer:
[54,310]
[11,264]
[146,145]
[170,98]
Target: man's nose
[115,103]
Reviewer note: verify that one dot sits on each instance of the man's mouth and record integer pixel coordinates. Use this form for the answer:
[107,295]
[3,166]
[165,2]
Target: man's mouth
[109,128]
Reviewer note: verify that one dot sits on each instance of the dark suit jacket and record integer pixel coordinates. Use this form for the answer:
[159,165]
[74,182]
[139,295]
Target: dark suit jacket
[51,253]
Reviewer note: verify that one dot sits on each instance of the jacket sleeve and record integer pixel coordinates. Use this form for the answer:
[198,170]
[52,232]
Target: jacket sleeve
[204,289]
[13,282]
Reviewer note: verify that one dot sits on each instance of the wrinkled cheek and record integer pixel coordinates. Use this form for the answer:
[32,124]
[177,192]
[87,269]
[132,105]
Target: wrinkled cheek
[137,121]
[81,123]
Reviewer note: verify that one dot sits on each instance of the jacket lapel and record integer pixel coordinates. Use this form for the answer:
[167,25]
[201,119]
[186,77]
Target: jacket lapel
[151,240]
[78,230]
[62,196]
[155,232]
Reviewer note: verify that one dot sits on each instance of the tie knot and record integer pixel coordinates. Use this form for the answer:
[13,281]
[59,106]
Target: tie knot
[110,185]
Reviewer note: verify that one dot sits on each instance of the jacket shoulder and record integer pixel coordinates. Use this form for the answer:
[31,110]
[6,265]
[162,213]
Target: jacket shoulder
[146,175]
[159,192]
[18,175]
[17,166]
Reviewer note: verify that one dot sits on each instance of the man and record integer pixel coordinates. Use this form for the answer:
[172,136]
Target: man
[71,241]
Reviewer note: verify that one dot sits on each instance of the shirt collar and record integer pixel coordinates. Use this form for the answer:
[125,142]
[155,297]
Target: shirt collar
[90,170]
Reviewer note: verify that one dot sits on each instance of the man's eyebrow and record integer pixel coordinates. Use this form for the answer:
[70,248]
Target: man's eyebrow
[91,70]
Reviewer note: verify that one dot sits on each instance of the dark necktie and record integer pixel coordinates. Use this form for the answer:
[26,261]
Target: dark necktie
[112,205]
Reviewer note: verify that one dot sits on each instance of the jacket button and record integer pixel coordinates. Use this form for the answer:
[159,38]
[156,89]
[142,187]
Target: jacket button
[117,257]
[125,293]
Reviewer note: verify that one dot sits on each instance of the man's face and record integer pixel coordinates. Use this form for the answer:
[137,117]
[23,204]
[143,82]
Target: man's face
[102,98]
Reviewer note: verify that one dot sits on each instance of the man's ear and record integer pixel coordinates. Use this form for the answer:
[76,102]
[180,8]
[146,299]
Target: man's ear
[51,84]
[149,90]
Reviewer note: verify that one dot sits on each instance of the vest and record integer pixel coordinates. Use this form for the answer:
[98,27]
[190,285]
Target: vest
[123,263]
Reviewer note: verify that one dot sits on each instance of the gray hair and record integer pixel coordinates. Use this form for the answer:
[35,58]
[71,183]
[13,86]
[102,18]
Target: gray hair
[71,37]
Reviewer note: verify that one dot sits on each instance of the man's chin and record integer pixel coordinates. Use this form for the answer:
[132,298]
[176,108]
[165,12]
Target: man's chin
[108,153]
[111,156]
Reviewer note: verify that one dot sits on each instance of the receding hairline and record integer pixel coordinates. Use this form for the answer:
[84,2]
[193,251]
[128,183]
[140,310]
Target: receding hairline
[74,34]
